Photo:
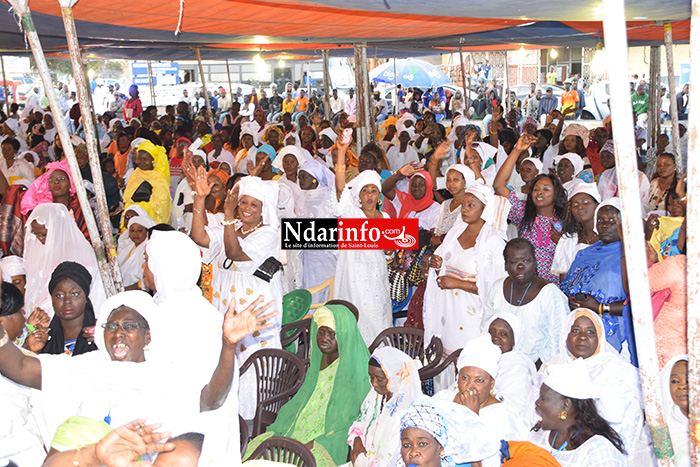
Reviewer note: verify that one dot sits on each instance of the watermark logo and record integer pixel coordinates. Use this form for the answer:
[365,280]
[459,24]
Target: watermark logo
[349,234]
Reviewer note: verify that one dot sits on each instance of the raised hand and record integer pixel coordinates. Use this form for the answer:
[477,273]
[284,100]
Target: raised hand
[201,184]
[524,142]
[231,201]
[442,151]
[123,446]
[409,169]
[238,325]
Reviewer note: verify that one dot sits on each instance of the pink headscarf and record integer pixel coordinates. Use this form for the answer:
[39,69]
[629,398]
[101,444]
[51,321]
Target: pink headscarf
[39,192]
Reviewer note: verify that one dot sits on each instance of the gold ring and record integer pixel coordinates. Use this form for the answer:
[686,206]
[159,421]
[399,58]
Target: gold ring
[471,392]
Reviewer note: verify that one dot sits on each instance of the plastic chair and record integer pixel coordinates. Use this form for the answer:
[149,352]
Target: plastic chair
[328,283]
[353,309]
[411,342]
[279,375]
[296,338]
[428,373]
[243,429]
[285,450]
[295,304]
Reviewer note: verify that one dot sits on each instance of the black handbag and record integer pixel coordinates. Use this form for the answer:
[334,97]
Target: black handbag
[268,269]
[143,192]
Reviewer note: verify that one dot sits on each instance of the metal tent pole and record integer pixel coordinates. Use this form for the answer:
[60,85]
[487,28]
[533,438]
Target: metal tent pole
[506,89]
[4,81]
[21,9]
[467,101]
[228,75]
[693,236]
[364,116]
[654,69]
[615,30]
[204,90]
[668,43]
[151,83]
[396,92]
[326,86]
[84,100]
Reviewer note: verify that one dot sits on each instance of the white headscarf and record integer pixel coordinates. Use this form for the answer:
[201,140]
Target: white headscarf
[131,259]
[293,134]
[329,133]
[35,157]
[294,151]
[12,266]
[575,160]
[536,162]
[614,202]
[571,380]
[678,424]
[514,323]
[64,242]
[591,189]
[252,129]
[466,172]
[320,172]
[496,207]
[481,353]
[264,191]
[364,178]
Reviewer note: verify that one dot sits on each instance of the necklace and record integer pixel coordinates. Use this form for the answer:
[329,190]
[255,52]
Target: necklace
[246,232]
[521,298]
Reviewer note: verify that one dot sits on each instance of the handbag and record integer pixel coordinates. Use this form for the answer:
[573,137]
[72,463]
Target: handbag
[415,275]
[142,193]
[268,269]
[398,285]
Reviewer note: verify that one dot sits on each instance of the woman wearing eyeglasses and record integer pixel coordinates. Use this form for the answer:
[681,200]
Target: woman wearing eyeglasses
[132,375]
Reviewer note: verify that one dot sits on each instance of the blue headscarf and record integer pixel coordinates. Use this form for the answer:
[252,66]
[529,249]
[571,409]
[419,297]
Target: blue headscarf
[270,151]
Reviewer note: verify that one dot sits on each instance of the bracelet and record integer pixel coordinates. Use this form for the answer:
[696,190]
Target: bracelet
[194,193]
[231,222]
[198,211]
[606,308]
[600,309]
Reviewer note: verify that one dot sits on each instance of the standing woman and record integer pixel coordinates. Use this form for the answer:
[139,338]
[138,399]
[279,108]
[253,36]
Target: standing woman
[72,328]
[665,182]
[535,217]
[132,106]
[464,268]
[361,199]
[578,227]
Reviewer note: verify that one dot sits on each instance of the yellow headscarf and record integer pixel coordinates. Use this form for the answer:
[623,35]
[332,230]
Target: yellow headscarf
[160,158]
[324,317]
[79,431]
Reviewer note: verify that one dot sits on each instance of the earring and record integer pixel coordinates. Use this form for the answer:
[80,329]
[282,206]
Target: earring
[315,181]
[442,454]
[563,414]
[492,393]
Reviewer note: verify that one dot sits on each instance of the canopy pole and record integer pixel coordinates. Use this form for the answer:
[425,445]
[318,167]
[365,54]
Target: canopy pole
[151,83]
[204,90]
[84,100]
[308,78]
[396,92]
[652,121]
[693,247]
[326,86]
[633,233]
[506,89]
[364,117]
[4,84]
[464,82]
[228,75]
[668,43]
[62,129]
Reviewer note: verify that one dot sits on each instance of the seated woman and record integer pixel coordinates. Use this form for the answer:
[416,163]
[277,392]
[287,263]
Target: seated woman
[72,328]
[374,437]
[437,433]
[619,398]
[418,203]
[579,229]
[674,400]
[540,306]
[571,429]
[56,186]
[13,271]
[288,161]
[667,233]
[131,259]
[569,166]
[474,391]
[463,269]
[130,373]
[260,164]
[20,437]
[51,238]
[328,401]
[149,184]
[597,279]
[516,372]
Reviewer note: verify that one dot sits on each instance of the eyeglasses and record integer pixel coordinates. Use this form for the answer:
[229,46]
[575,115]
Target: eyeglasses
[126,327]
[57,179]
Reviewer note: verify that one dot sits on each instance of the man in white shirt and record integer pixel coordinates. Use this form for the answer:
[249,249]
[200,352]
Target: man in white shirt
[224,103]
[33,100]
[380,107]
[351,103]
[336,103]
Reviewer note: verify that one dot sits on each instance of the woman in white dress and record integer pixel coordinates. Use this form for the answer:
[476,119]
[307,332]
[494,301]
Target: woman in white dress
[571,429]
[539,304]
[131,258]
[237,249]
[463,269]
[474,390]
[287,162]
[516,372]
[361,276]
[674,399]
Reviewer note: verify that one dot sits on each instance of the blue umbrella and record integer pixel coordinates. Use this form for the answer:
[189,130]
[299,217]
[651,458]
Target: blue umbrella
[410,73]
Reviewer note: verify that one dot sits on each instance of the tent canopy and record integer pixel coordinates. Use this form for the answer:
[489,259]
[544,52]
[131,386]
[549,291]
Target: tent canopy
[392,28]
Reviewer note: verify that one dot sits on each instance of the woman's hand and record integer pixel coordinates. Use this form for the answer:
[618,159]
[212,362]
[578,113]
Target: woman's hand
[434,261]
[89,334]
[589,302]
[231,202]
[524,143]
[469,399]
[123,446]
[651,224]
[36,340]
[39,318]
[409,169]
[497,114]
[253,169]
[554,235]
[441,152]
[357,449]
[447,283]
[201,185]
[239,325]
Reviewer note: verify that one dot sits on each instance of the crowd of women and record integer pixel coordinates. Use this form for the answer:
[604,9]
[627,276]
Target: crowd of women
[519,271]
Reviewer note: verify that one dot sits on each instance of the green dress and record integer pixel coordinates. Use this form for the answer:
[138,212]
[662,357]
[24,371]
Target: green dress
[329,400]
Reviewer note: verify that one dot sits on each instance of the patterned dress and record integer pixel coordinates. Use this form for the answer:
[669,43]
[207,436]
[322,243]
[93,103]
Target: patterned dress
[536,233]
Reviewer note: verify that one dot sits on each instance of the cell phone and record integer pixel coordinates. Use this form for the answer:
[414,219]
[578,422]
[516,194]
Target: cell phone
[557,225]
[347,136]
[580,296]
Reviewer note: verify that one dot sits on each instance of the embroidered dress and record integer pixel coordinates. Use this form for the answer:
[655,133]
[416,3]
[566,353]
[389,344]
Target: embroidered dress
[536,233]
[597,451]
